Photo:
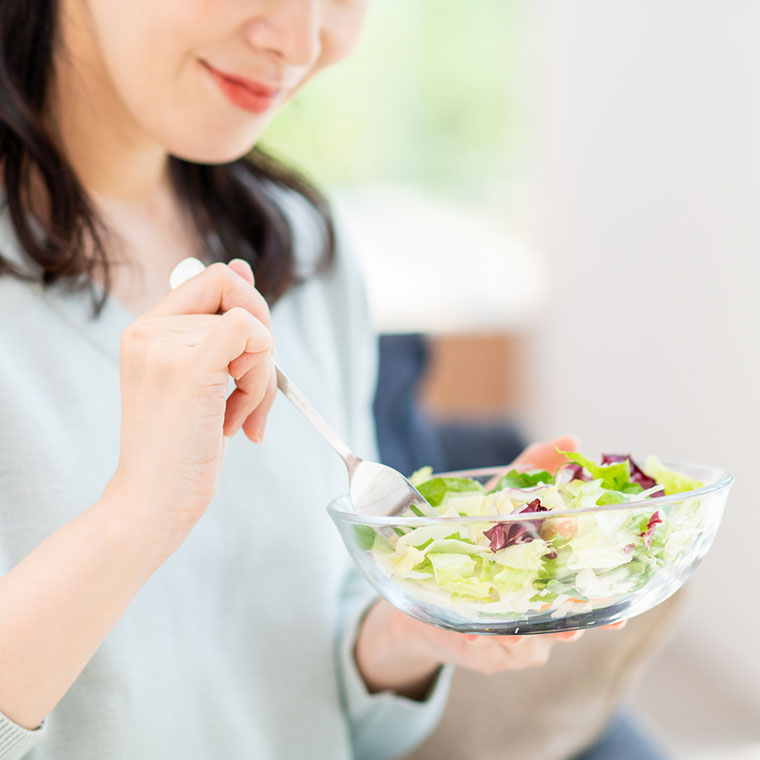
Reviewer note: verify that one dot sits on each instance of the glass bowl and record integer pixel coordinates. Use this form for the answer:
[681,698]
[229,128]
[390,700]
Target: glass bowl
[618,561]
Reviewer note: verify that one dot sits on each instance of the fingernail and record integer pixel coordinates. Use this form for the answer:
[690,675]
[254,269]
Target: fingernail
[243,261]
[186,269]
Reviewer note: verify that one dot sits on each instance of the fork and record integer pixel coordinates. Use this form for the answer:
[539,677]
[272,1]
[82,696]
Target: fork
[375,488]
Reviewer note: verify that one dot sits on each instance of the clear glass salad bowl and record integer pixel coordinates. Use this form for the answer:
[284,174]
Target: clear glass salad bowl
[517,571]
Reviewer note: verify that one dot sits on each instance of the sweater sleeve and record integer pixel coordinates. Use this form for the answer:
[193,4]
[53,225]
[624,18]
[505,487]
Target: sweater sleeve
[15,740]
[382,725]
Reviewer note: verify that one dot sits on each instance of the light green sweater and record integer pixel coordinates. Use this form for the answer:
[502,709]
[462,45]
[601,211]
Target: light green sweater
[240,645]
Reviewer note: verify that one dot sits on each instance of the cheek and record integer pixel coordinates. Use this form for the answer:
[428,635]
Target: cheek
[145,43]
[341,30]
[192,119]
[151,53]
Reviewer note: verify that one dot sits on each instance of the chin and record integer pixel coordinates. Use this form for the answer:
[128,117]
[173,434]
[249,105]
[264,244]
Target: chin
[215,146]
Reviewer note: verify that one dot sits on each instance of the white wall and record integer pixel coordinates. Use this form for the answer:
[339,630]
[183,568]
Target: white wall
[647,147]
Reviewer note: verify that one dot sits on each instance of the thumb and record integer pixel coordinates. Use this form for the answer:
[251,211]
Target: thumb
[544,454]
[566,443]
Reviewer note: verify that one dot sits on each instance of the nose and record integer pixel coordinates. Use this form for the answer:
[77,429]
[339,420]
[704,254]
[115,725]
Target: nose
[288,29]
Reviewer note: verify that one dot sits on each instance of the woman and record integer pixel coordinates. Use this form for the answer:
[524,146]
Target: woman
[137,618]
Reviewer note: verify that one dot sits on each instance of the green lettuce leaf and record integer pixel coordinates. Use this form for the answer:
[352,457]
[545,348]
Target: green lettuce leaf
[420,476]
[435,489]
[615,477]
[515,479]
[674,482]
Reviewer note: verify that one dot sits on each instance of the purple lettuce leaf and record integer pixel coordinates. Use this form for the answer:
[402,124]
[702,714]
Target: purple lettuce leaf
[505,534]
[637,474]
[570,471]
[648,534]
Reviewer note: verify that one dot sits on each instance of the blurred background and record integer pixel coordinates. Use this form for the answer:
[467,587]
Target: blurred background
[561,198]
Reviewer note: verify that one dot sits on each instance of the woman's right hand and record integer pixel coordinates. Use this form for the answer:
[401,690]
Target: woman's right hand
[175,362]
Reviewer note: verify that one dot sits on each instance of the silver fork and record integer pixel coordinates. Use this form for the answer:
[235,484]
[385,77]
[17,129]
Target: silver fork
[375,488]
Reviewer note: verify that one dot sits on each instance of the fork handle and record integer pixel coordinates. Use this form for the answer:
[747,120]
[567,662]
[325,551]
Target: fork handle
[299,401]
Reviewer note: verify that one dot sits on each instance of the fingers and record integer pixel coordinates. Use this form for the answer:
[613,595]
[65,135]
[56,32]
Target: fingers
[493,654]
[534,653]
[255,425]
[529,652]
[514,640]
[486,653]
[244,363]
[540,455]
[249,405]
[545,454]
[217,288]
[567,443]
[249,395]
[568,635]
[235,333]
[230,290]
[528,455]
[242,268]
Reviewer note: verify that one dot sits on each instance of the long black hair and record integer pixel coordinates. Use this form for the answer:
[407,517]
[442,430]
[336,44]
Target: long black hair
[229,203]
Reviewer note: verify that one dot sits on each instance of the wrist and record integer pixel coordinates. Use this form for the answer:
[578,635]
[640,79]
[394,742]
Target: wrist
[126,518]
[391,653]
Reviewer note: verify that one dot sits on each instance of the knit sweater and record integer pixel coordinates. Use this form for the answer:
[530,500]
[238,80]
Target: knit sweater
[241,644]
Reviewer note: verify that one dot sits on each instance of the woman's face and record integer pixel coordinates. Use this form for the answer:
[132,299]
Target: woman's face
[202,77]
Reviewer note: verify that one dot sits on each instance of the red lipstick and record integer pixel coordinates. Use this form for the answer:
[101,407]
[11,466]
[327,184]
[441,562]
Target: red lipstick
[244,93]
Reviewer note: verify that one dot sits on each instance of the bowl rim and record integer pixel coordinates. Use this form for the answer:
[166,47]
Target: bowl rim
[724,481]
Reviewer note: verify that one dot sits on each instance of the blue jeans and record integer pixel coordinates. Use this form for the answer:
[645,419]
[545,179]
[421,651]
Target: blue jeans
[622,741]
[408,438]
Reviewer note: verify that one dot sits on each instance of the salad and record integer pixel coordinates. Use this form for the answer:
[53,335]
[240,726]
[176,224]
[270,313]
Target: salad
[562,565]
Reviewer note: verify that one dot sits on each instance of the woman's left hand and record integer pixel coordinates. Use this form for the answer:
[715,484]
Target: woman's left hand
[543,455]
[395,652]
[398,653]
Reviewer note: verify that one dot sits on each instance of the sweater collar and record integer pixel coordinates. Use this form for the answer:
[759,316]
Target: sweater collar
[77,306]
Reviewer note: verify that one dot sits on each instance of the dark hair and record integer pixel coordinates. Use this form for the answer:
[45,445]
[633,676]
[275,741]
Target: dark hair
[229,203]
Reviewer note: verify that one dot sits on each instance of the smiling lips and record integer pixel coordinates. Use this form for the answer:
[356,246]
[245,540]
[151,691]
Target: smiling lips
[244,93]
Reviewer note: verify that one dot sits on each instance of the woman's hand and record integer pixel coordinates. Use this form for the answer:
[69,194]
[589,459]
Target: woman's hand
[544,454]
[395,652]
[175,363]
[541,456]
[398,653]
